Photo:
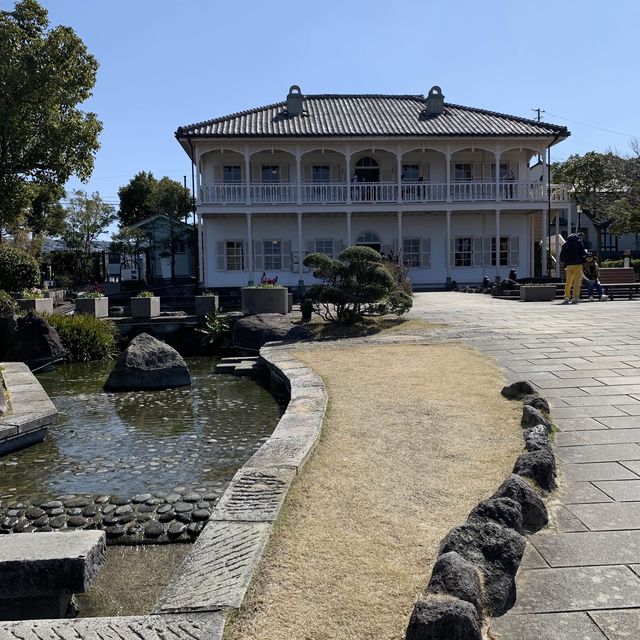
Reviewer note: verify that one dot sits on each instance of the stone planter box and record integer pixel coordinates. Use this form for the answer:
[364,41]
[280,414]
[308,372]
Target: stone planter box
[96,307]
[39,305]
[145,307]
[264,300]
[206,304]
[544,293]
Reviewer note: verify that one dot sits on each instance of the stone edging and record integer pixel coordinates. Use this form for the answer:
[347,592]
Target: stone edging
[474,575]
[214,577]
[32,410]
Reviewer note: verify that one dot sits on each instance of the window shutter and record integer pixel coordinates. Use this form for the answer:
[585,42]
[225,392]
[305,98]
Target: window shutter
[258,259]
[514,251]
[284,173]
[515,169]
[477,252]
[245,256]
[477,170]
[486,254]
[286,254]
[311,246]
[338,246]
[452,252]
[307,173]
[425,252]
[220,252]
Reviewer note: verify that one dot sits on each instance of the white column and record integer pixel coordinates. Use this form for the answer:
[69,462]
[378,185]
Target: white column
[557,248]
[497,163]
[347,165]
[400,243]
[349,229]
[545,232]
[399,173]
[247,174]
[448,170]
[201,248]
[497,245]
[298,177]
[249,250]
[448,245]
[568,220]
[300,250]
[198,194]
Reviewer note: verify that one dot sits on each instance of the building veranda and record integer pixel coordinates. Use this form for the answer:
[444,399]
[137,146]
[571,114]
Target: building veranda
[454,192]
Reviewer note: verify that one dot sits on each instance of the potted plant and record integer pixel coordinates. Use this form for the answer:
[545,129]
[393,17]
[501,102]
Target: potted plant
[92,302]
[145,305]
[266,297]
[33,300]
[206,303]
[537,292]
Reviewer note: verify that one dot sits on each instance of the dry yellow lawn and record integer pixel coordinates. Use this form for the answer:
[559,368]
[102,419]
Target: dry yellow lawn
[414,437]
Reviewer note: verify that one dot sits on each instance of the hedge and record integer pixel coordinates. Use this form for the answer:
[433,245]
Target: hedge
[84,337]
[18,270]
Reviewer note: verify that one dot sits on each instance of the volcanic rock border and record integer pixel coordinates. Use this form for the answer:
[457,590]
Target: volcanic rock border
[474,575]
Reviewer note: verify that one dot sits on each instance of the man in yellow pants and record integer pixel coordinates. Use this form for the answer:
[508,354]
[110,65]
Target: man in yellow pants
[572,256]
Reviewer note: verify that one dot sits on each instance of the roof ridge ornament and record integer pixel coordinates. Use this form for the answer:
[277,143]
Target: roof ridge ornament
[435,101]
[295,101]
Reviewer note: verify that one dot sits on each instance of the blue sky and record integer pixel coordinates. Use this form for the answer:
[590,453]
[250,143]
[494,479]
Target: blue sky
[166,63]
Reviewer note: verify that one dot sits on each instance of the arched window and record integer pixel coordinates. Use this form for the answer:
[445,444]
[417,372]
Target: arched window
[367,170]
[367,162]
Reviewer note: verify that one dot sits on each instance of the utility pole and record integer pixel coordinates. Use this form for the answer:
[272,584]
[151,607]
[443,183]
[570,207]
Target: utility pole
[538,113]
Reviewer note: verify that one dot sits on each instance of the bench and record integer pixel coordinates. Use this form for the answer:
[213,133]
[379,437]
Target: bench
[623,279]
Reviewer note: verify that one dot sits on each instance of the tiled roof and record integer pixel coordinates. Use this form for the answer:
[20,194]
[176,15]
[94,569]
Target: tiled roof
[368,115]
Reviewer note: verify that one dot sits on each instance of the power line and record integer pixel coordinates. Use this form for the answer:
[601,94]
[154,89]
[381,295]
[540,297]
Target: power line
[592,126]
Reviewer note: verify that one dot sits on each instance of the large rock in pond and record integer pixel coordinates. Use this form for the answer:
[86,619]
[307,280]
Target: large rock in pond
[148,363]
[254,331]
[31,340]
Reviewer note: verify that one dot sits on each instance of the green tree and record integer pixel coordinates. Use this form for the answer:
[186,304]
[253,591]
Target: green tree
[355,284]
[86,218]
[625,210]
[44,138]
[137,199]
[145,196]
[596,180]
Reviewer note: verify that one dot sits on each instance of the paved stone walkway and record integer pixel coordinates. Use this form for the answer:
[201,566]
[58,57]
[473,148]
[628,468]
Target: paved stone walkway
[580,578]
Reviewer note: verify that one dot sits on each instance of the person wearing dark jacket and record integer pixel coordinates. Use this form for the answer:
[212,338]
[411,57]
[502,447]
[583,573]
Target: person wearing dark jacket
[572,256]
[591,273]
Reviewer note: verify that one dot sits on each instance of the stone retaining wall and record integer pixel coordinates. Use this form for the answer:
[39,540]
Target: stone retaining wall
[214,577]
[31,409]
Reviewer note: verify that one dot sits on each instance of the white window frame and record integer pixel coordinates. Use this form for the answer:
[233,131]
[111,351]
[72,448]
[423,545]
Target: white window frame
[232,166]
[271,167]
[460,256]
[412,259]
[224,257]
[327,241]
[326,167]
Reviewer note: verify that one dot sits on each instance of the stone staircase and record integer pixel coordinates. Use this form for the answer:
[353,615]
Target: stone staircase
[246,366]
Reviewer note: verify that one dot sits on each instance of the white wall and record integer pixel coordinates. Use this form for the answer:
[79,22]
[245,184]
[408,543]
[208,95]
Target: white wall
[315,227]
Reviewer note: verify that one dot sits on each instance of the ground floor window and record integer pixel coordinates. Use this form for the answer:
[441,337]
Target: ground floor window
[463,252]
[411,253]
[272,254]
[231,255]
[503,251]
[323,246]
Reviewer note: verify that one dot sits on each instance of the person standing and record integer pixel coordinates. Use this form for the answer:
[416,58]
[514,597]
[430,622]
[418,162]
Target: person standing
[591,273]
[572,256]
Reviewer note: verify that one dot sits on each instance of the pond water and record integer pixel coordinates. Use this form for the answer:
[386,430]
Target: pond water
[142,441]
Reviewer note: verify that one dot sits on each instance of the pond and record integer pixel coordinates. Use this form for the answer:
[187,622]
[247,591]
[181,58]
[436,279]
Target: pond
[179,440]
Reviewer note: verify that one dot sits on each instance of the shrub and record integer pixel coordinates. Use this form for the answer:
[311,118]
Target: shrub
[32,294]
[145,294]
[84,337]
[18,270]
[356,284]
[8,306]
[215,331]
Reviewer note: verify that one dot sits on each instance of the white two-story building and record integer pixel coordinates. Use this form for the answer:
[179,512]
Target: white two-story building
[447,189]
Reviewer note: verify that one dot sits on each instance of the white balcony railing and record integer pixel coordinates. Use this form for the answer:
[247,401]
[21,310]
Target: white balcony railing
[381,192]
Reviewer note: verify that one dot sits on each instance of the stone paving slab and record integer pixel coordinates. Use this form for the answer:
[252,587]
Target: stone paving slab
[578,424]
[610,436]
[218,570]
[613,390]
[565,521]
[531,558]
[576,589]
[622,624]
[548,626]
[569,438]
[630,409]
[589,548]
[612,516]
[192,627]
[599,453]
[580,383]
[625,422]
[632,465]
[585,492]
[621,490]
[254,495]
[569,392]
[594,401]
[602,411]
